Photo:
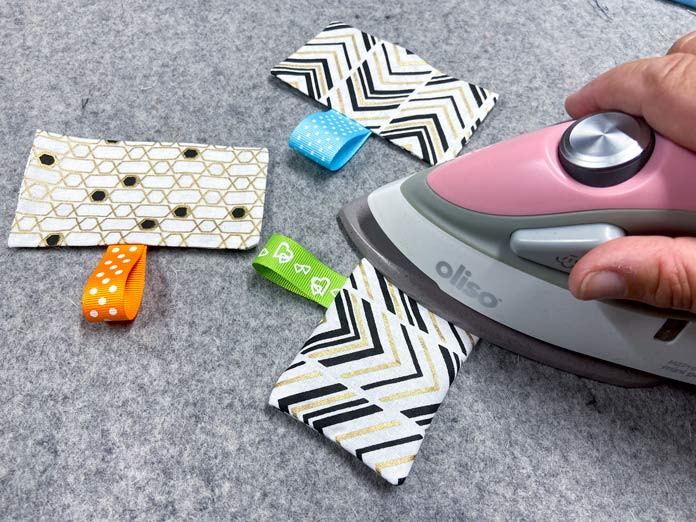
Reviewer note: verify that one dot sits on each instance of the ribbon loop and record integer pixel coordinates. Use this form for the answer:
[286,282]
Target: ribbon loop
[114,290]
[289,265]
[328,138]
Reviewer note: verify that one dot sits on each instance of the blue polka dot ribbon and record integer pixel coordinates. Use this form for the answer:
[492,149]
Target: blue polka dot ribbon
[328,138]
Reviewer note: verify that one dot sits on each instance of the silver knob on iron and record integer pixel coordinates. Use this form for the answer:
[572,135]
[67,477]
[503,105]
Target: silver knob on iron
[605,149]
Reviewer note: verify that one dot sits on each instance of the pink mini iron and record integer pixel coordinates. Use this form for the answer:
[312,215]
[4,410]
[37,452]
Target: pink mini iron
[487,241]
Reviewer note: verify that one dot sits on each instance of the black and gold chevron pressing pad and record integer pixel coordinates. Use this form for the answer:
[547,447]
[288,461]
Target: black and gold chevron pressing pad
[373,374]
[388,89]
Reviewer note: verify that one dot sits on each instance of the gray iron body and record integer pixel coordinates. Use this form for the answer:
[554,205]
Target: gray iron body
[602,150]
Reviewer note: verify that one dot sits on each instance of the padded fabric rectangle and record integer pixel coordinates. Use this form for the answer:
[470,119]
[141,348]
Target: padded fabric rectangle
[374,373]
[388,89]
[85,192]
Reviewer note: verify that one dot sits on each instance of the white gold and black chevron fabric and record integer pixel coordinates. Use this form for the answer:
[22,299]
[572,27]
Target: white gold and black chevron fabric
[389,90]
[374,373]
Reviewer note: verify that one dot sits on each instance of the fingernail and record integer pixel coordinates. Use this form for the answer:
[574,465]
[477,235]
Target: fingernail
[603,285]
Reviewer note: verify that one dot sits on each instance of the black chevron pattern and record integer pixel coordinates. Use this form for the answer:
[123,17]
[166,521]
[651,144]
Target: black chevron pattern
[374,373]
[388,89]
[365,279]
[346,327]
[385,80]
[325,60]
[439,118]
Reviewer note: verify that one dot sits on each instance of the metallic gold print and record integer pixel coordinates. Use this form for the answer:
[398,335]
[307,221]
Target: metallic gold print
[361,96]
[460,89]
[61,202]
[395,462]
[361,330]
[341,104]
[365,431]
[417,60]
[429,389]
[437,328]
[471,338]
[331,52]
[365,282]
[428,122]
[303,377]
[399,83]
[317,68]
[457,116]
[322,402]
[333,38]
[397,305]
[379,367]
[417,107]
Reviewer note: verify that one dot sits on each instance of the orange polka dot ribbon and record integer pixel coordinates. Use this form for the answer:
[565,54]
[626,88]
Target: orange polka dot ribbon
[114,290]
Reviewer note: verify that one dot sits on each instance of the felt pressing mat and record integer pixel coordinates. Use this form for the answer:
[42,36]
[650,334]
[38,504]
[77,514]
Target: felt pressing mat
[167,418]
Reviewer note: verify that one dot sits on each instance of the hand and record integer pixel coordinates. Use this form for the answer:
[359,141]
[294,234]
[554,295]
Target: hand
[660,271]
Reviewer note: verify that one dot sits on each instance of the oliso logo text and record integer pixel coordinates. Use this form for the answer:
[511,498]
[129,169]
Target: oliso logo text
[459,278]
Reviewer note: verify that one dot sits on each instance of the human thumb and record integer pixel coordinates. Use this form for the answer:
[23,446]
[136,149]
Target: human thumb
[659,271]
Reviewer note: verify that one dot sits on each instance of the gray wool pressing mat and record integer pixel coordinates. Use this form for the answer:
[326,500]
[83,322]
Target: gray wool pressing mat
[166,418]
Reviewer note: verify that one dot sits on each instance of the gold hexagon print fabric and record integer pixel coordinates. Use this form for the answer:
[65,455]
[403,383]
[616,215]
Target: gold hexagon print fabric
[86,192]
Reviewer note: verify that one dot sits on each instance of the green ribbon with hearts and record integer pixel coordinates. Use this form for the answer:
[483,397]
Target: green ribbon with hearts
[290,265]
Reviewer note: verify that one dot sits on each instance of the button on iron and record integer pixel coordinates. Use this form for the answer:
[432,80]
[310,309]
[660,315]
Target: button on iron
[605,149]
[561,247]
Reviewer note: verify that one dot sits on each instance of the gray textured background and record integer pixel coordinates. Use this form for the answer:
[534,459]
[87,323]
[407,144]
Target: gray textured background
[166,418]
